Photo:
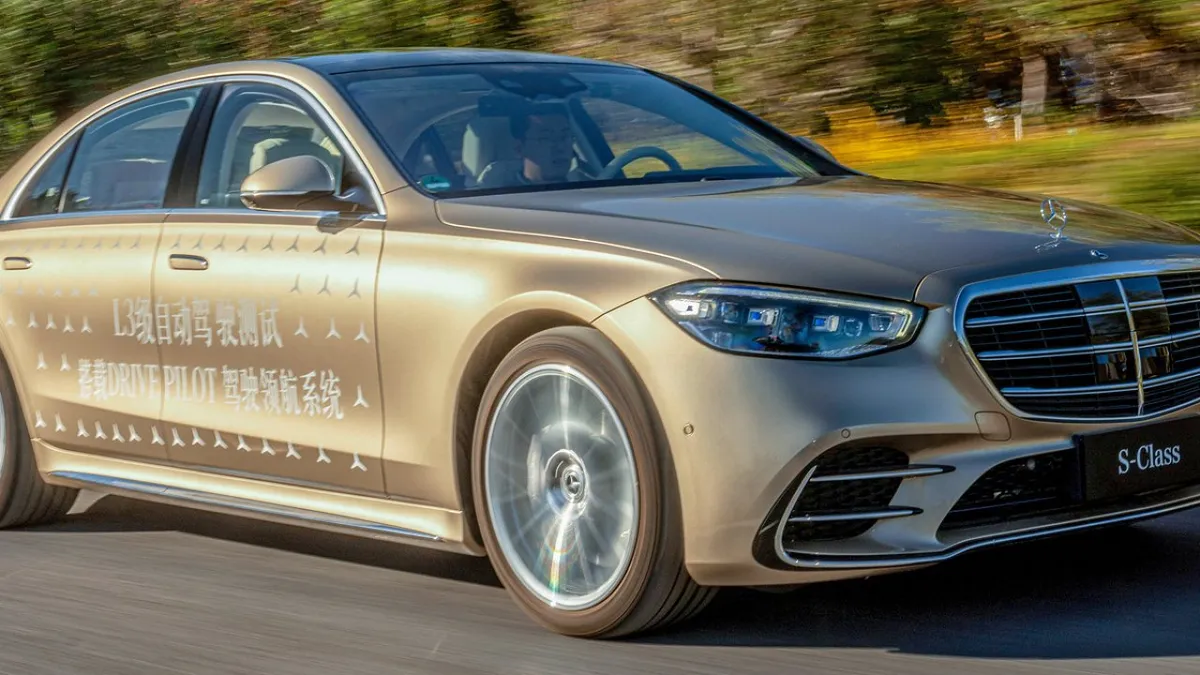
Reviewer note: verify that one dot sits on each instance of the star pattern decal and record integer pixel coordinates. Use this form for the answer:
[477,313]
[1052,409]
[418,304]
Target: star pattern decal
[332,285]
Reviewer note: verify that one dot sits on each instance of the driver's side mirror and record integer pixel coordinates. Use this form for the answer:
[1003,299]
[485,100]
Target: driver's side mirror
[815,147]
[301,183]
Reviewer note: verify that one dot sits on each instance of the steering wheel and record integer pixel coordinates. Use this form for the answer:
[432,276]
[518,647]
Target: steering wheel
[640,152]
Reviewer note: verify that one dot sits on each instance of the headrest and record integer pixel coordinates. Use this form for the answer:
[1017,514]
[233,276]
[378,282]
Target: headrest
[274,149]
[486,140]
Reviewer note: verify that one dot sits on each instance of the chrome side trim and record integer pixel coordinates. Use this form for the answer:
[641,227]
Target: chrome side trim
[803,561]
[910,472]
[882,514]
[250,507]
[352,152]
[1059,276]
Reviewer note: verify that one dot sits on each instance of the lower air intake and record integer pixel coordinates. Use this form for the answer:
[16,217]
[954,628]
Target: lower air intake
[1018,488]
[849,491]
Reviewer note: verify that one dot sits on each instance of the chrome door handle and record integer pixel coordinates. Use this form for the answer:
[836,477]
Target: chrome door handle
[17,263]
[182,261]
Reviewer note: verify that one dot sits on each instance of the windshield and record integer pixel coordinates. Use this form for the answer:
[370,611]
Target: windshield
[493,128]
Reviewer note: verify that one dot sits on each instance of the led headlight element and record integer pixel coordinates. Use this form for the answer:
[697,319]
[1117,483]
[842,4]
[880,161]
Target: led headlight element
[761,320]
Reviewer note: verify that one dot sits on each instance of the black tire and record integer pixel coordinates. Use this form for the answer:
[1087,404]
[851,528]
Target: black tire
[25,499]
[655,589]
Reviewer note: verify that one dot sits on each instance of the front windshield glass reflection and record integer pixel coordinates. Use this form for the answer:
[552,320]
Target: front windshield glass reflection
[459,130]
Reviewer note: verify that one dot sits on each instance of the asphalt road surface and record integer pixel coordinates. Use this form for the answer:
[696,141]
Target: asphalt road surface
[128,588]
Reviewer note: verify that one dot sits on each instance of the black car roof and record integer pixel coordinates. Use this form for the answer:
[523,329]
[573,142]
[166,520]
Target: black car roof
[332,64]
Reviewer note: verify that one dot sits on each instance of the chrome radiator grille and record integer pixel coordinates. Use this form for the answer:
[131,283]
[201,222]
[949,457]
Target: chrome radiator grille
[1100,349]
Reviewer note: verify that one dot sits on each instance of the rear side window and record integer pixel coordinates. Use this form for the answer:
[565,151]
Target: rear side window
[44,193]
[124,159]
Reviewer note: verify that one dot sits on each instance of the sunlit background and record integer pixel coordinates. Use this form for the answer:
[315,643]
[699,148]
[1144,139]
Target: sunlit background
[1081,98]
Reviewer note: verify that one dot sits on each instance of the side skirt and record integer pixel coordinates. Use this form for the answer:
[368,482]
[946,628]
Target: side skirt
[341,513]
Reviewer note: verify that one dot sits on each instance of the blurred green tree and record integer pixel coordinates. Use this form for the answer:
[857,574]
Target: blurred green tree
[791,60]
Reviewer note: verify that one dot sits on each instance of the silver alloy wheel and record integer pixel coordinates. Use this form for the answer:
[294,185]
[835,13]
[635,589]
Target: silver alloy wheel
[561,485]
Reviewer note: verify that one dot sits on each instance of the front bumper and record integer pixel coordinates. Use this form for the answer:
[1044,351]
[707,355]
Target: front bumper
[744,433]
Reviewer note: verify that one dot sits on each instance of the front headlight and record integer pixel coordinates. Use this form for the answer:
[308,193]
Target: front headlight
[752,319]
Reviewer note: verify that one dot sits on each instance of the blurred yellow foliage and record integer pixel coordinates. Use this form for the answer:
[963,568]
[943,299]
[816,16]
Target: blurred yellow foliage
[1151,169]
[860,137]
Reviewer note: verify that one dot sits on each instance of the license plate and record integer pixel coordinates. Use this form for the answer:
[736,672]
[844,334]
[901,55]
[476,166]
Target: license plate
[1140,459]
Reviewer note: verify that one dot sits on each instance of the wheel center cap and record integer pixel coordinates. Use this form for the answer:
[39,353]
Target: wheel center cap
[566,477]
[573,483]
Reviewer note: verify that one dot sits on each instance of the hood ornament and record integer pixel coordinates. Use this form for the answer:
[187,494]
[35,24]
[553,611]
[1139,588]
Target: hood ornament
[1052,211]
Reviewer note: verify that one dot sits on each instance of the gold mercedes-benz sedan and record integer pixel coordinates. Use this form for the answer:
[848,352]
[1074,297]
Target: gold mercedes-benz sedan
[622,337]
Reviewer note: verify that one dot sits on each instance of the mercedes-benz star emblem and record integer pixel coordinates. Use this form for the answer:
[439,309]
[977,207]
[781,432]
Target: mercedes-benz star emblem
[1052,211]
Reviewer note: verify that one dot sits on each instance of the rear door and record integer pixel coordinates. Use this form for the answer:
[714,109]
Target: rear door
[76,285]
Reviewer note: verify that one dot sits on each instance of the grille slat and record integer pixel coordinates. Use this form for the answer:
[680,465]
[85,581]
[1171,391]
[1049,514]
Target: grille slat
[1025,302]
[1010,348]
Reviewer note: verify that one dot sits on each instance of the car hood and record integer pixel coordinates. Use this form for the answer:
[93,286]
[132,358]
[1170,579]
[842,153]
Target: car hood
[853,234]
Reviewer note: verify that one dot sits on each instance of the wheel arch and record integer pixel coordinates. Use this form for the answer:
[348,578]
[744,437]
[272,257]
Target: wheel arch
[486,356]
[16,375]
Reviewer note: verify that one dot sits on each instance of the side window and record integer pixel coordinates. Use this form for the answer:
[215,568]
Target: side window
[43,195]
[254,126]
[124,159]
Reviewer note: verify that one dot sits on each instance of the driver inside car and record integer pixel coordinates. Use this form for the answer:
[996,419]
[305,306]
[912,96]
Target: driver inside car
[545,148]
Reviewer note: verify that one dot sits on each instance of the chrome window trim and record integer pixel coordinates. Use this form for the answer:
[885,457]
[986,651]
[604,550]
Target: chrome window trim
[217,211]
[163,214]
[1056,277]
[74,215]
[352,150]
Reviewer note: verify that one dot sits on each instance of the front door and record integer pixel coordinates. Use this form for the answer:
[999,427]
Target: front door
[266,321]
[75,290]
